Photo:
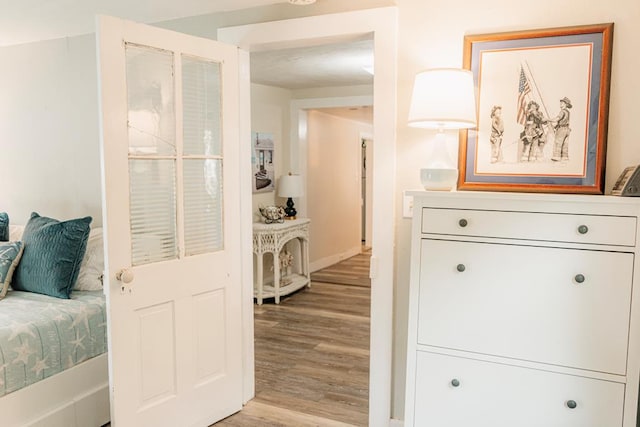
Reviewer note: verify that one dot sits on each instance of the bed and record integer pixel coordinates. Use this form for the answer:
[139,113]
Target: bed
[53,360]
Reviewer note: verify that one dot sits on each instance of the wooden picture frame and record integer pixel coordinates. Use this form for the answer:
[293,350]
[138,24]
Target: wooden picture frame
[542,103]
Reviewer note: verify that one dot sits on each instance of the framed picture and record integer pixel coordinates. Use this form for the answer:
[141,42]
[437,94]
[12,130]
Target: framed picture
[263,168]
[543,99]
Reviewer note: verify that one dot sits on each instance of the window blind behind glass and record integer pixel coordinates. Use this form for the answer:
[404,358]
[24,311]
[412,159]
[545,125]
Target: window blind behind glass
[202,161]
[152,151]
[151,101]
[201,106]
[203,206]
[153,210]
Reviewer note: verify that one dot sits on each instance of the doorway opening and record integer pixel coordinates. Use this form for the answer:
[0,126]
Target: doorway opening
[382,23]
[332,140]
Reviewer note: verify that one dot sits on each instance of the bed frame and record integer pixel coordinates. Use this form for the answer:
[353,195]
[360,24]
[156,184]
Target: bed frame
[76,397]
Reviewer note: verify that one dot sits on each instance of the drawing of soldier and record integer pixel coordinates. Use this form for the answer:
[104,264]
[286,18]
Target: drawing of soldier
[497,129]
[562,129]
[533,135]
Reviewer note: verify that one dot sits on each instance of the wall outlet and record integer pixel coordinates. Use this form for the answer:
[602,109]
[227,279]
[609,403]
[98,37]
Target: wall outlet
[407,205]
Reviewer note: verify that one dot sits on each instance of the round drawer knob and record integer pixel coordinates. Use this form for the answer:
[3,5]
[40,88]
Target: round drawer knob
[579,278]
[455,382]
[461,268]
[583,229]
[463,222]
[571,404]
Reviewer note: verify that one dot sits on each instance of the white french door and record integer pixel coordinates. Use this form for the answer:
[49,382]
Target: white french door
[171,185]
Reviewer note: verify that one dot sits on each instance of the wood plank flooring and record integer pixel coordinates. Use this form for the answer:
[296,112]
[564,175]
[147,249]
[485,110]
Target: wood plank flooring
[312,360]
[352,271]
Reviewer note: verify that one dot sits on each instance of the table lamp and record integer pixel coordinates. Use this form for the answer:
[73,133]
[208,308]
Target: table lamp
[290,187]
[443,98]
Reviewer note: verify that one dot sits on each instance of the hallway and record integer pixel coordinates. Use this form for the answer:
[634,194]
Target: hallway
[312,360]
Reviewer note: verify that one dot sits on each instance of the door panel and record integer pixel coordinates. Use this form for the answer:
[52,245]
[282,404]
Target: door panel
[211,326]
[157,352]
[171,192]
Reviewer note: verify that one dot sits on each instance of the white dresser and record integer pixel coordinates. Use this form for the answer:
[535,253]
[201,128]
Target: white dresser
[521,311]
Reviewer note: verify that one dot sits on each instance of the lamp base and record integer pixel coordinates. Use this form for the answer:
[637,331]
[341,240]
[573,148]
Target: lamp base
[439,179]
[290,210]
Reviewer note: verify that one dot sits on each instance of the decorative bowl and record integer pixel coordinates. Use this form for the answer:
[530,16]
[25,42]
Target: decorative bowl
[272,214]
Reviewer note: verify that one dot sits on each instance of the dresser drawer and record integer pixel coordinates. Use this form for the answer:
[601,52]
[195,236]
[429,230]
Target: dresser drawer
[564,307]
[494,395]
[593,229]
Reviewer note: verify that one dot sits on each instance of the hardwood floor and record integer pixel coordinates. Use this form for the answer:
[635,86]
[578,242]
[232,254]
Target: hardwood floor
[352,271]
[312,360]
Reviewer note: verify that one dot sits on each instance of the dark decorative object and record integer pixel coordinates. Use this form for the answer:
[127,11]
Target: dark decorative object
[272,214]
[290,210]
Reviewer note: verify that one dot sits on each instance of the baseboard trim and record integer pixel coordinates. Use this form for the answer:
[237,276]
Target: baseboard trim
[333,259]
[396,423]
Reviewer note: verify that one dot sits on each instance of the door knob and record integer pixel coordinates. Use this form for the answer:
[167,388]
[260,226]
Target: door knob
[125,275]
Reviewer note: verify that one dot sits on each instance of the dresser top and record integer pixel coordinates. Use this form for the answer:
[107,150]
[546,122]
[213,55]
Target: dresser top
[547,197]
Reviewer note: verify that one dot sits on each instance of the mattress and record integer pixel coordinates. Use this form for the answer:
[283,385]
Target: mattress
[41,336]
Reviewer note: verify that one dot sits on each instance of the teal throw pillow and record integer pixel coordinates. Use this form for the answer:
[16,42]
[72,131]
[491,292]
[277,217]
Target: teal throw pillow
[53,252]
[4,227]
[9,258]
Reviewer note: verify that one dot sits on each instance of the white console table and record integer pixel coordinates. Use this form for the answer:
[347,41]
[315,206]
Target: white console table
[272,238]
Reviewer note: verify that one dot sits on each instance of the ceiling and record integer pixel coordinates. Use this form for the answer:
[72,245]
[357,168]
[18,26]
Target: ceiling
[24,21]
[337,64]
[319,66]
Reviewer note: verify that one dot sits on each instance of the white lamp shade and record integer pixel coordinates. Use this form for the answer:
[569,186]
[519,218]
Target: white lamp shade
[443,98]
[290,186]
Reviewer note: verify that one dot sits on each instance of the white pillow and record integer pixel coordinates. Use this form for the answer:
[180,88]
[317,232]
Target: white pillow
[10,253]
[92,266]
[15,232]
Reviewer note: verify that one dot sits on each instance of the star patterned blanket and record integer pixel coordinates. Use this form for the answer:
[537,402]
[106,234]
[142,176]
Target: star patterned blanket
[41,335]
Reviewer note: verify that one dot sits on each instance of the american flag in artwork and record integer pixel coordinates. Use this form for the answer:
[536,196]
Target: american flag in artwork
[524,91]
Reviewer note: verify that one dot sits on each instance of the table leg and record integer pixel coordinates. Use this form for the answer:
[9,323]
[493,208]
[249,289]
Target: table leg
[304,246]
[259,279]
[276,277]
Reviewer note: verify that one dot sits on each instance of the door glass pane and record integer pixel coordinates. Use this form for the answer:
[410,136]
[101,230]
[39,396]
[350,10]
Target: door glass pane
[153,210]
[201,104]
[202,205]
[150,98]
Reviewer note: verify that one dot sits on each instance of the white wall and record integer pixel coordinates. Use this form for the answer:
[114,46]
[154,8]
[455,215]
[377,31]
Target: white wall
[333,188]
[49,130]
[431,35]
[270,114]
